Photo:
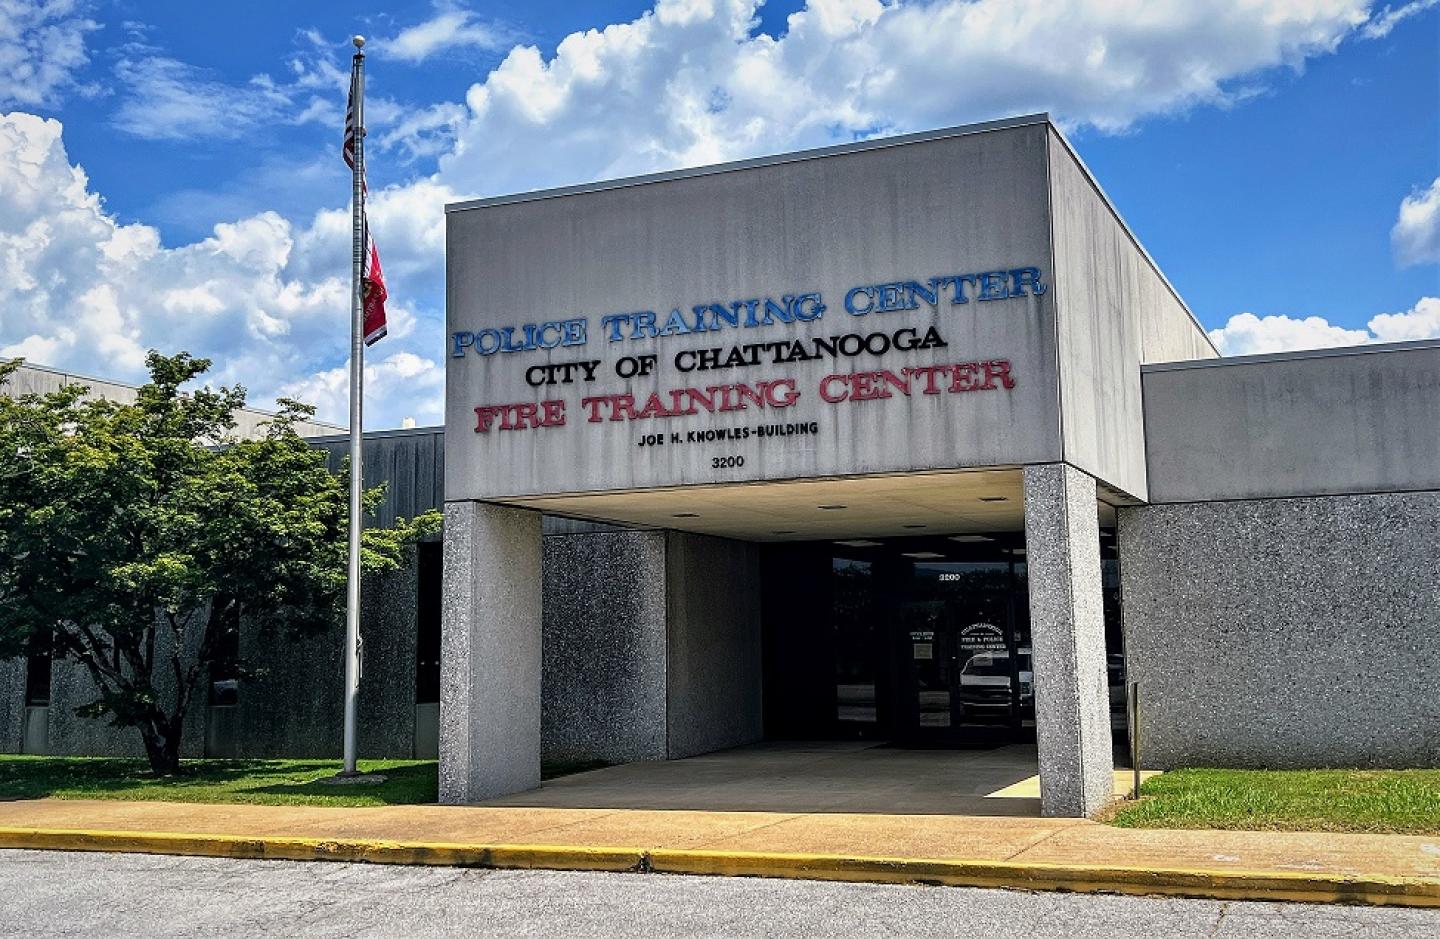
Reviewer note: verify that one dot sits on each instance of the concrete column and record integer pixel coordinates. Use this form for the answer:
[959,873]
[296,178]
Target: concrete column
[1067,624]
[490,652]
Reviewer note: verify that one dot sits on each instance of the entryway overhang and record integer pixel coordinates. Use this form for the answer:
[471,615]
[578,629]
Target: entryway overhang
[891,505]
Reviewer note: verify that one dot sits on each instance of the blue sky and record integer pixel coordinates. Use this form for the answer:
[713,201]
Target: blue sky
[1265,156]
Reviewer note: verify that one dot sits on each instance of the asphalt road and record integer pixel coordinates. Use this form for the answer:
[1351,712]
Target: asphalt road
[46,893]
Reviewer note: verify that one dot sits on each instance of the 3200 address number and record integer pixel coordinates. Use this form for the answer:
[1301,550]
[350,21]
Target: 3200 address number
[727,462]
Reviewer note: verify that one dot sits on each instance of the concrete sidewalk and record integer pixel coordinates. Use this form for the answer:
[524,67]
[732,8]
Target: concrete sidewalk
[1027,853]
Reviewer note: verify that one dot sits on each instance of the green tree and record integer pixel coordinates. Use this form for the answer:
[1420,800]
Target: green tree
[136,536]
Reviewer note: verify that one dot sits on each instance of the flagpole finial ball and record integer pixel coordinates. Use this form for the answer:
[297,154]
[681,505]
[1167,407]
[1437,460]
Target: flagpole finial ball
[359,42]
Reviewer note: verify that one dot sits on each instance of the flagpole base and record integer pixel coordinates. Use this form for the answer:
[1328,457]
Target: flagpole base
[344,778]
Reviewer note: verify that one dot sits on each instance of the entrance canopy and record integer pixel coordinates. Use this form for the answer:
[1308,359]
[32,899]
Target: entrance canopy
[814,509]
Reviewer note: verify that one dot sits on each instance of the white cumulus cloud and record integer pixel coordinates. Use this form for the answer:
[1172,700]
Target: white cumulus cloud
[1416,235]
[1384,21]
[449,28]
[395,384]
[1247,334]
[692,81]
[42,49]
[266,298]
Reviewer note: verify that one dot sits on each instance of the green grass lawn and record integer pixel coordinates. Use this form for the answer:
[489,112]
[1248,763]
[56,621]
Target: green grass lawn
[264,782]
[1396,801]
[261,782]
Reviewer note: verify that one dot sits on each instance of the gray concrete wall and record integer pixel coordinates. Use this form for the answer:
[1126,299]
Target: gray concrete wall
[1362,419]
[713,668]
[603,647]
[411,463]
[71,687]
[295,706]
[1285,632]
[34,379]
[1114,310]
[888,211]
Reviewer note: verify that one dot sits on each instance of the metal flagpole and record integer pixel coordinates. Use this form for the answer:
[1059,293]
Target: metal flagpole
[357,392]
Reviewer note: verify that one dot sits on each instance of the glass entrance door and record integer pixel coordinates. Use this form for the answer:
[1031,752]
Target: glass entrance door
[964,653]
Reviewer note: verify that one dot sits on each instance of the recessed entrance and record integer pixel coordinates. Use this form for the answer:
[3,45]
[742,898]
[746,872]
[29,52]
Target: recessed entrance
[917,642]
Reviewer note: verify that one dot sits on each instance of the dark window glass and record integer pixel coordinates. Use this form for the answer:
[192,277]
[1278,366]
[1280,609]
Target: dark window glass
[225,657]
[427,642]
[37,671]
[857,637]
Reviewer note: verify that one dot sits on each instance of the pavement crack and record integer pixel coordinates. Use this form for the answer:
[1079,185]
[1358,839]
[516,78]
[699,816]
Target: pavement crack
[1219,920]
[703,845]
[1038,841]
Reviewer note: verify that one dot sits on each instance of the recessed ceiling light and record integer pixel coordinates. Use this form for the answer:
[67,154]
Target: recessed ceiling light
[994,498]
[859,543]
[969,539]
[923,555]
[830,508]
[914,526]
[686,515]
[1018,552]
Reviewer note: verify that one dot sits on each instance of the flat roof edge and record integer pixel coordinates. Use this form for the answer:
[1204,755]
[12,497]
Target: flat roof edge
[1409,345]
[81,379]
[381,434]
[795,156]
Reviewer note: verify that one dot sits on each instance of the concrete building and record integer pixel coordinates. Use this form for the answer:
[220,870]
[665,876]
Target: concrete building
[907,443]
[39,379]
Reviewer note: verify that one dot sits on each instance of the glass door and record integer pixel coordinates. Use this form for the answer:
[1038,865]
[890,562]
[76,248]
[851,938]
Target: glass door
[966,673]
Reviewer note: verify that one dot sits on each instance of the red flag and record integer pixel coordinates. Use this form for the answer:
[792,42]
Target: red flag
[375,294]
[372,278]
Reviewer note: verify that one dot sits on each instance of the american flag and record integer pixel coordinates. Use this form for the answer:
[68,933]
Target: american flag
[372,278]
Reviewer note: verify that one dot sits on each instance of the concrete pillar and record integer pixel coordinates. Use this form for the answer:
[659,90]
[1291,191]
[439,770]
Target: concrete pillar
[490,652]
[1067,625]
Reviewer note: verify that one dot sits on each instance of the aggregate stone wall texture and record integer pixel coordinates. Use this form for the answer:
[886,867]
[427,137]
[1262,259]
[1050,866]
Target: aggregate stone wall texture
[1325,422]
[603,647]
[71,687]
[12,704]
[1067,625]
[294,707]
[1114,310]
[1286,632]
[490,637]
[713,667]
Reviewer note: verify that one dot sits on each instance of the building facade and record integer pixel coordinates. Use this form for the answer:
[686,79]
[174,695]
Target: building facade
[904,441]
[913,440]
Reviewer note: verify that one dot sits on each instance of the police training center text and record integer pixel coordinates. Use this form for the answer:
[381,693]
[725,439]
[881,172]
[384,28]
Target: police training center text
[989,374]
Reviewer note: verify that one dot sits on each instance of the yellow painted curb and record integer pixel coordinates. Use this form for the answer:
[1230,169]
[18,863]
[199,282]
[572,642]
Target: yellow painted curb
[1073,878]
[1182,882]
[443,854]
